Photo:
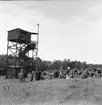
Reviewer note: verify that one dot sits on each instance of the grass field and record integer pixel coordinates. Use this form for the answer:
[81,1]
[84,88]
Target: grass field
[51,92]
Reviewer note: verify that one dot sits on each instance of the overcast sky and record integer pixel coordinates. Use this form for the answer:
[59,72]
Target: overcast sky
[68,29]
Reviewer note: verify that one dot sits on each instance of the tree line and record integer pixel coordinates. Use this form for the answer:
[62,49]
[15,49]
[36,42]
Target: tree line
[44,65]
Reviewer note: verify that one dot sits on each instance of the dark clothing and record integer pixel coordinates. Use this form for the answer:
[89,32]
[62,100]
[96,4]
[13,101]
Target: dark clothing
[24,74]
[38,75]
[56,74]
[32,76]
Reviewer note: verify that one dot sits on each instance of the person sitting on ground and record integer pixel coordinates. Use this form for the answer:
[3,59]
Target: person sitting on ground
[67,76]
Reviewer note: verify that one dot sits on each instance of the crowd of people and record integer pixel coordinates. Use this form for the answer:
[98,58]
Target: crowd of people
[34,75]
[88,72]
[66,74]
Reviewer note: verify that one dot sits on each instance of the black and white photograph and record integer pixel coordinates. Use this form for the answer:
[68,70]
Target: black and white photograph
[50,52]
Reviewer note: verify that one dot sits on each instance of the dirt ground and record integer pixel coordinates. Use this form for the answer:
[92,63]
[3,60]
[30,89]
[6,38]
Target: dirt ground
[51,92]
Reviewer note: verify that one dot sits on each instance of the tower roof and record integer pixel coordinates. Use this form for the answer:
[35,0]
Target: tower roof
[19,29]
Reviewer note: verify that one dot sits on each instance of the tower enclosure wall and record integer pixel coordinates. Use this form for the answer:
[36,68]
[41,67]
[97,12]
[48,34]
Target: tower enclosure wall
[13,71]
[19,35]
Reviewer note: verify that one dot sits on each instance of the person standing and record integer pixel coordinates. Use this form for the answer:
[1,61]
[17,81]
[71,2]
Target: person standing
[21,76]
[32,76]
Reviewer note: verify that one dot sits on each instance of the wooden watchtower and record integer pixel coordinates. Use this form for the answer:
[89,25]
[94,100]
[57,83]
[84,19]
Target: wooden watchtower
[17,40]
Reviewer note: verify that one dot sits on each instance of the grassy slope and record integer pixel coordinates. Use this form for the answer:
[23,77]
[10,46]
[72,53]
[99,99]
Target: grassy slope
[58,91]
